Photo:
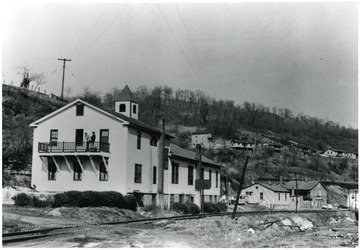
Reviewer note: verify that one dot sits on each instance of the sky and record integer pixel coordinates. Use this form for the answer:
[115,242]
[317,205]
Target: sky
[301,56]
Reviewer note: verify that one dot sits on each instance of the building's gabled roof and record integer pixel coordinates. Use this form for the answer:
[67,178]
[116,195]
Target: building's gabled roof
[178,152]
[302,185]
[273,187]
[125,95]
[127,121]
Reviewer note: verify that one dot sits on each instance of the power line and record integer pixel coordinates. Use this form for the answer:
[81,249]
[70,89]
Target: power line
[93,26]
[106,29]
[192,43]
[129,20]
[182,50]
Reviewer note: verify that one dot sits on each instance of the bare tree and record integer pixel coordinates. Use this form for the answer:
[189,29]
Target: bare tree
[38,79]
[253,110]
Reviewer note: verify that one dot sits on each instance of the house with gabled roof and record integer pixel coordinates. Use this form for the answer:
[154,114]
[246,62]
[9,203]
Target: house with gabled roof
[84,147]
[315,191]
[267,194]
[244,145]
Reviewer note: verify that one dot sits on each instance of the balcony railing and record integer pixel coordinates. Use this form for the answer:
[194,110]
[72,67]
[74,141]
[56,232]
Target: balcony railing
[69,147]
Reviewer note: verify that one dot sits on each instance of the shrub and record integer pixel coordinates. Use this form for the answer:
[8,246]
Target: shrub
[130,202]
[211,208]
[60,199]
[40,202]
[222,206]
[94,199]
[181,207]
[22,199]
[193,208]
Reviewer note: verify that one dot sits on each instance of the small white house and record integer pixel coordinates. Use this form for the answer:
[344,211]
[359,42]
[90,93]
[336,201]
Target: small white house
[329,153]
[267,194]
[204,139]
[350,155]
[242,145]
[353,199]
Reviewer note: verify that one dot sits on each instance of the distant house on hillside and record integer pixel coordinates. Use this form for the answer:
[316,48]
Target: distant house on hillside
[277,147]
[267,194]
[329,153]
[350,155]
[340,153]
[204,139]
[353,199]
[243,145]
[310,190]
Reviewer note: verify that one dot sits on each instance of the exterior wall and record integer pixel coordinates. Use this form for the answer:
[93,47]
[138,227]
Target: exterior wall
[66,122]
[270,198]
[202,139]
[319,195]
[352,199]
[147,156]
[183,188]
[129,109]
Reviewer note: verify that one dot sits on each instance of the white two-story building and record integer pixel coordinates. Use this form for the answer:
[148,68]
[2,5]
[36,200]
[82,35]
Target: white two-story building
[123,156]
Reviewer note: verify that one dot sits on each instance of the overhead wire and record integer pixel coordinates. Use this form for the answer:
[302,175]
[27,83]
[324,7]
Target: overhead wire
[129,20]
[92,26]
[181,48]
[106,29]
[192,43]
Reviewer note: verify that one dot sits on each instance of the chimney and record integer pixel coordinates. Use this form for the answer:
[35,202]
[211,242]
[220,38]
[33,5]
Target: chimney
[269,182]
[281,181]
[306,179]
[292,192]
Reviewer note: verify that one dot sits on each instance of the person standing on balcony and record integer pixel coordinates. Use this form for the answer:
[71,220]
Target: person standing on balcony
[93,138]
[87,140]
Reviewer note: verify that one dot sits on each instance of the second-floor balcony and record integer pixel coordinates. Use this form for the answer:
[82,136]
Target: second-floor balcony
[70,147]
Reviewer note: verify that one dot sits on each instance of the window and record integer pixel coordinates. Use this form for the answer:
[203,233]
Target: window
[190,175]
[175,173]
[154,175]
[138,140]
[181,198]
[217,178]
[261,196]
[137,173]
[279,195]
[122,108]
[210,173]
[153,140]
[103,172]
[79,137]
[52,171]
[202,174]
[53,137]
[166,158]
[77,171]
[210,198]
[248,193]
[134,109]
[285,197]
[79,109]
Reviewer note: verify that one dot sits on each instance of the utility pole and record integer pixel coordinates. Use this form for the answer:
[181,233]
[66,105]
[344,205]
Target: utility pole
[161,157]
[240,187]
[62,88]
[296,183]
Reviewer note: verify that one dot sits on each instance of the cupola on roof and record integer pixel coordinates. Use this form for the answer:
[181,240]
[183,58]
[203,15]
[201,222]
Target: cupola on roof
[126,95]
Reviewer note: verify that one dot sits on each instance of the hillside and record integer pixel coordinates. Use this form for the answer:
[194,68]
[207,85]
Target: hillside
[20,108]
